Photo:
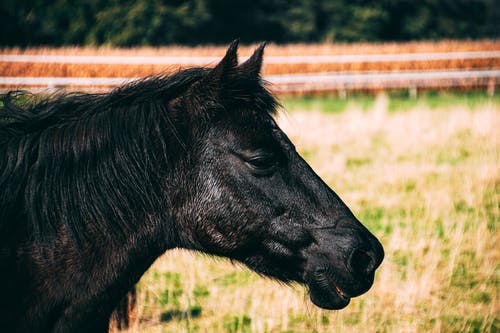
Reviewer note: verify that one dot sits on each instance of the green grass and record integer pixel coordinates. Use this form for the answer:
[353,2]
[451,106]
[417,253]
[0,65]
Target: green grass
[425,181]
[328,103]
[399,100]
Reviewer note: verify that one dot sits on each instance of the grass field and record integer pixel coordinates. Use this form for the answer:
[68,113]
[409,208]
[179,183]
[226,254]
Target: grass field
[271,49]
[130,70]
[422,174]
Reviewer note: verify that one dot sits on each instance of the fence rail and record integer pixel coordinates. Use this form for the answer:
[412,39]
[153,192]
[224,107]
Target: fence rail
[385,80]
[169,60]
[290,83]
[299,82]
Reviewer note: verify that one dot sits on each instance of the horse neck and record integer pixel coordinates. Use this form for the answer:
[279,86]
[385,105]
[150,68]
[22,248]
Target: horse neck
[103,177]
[141,157]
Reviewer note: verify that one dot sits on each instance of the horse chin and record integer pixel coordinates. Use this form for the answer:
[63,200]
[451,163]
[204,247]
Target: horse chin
[325,293]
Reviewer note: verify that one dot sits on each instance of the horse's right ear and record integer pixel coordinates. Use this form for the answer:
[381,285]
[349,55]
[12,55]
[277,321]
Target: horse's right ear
[253,65]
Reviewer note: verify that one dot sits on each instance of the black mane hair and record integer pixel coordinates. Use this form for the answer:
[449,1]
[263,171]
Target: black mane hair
[90,141]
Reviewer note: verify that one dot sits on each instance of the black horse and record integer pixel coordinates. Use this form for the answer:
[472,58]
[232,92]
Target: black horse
[94,187]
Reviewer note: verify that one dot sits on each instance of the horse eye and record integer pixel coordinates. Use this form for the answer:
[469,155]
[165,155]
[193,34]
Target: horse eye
[262,164]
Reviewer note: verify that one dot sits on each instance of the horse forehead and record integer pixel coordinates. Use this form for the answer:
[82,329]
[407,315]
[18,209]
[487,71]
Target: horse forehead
[260,127]
[244,135]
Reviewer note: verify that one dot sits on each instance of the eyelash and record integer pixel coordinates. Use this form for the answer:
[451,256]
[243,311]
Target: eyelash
[261,162]
[261,165]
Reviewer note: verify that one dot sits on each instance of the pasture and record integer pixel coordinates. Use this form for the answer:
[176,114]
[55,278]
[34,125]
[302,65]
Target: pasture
[118,69]
[422,174]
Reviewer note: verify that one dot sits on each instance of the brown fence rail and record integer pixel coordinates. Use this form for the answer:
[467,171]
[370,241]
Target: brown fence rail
[296,82]
[488,77]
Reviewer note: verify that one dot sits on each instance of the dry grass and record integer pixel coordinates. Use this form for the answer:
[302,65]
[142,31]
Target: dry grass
[102,70]
[131,70]
[425,181]
[271,49]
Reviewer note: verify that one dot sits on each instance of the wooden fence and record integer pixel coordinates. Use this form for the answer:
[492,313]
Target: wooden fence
[289,83]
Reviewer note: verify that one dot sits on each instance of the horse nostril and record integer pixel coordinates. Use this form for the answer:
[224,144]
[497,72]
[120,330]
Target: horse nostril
[362,262]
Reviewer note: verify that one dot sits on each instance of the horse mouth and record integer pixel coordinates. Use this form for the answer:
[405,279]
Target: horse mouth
[325,292]
[341,294]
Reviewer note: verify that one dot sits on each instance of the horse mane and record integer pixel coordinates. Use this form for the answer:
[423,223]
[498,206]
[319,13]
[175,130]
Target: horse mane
[82,162]
[92,163]
[23,112]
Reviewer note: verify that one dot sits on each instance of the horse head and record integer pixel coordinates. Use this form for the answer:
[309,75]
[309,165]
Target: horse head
[252,197]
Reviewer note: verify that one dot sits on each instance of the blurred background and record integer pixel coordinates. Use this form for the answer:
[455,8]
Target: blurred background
[394,103]
[194,22]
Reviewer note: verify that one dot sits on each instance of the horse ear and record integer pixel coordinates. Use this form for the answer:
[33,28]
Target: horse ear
[214,82]
[210,87]
[227,65]
[253,65]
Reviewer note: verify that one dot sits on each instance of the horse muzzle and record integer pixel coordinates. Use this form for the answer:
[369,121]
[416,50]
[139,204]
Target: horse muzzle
[341,263]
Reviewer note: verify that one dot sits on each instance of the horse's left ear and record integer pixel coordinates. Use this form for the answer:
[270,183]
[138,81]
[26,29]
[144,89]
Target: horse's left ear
[217,78]
[253,65]
[227,65]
